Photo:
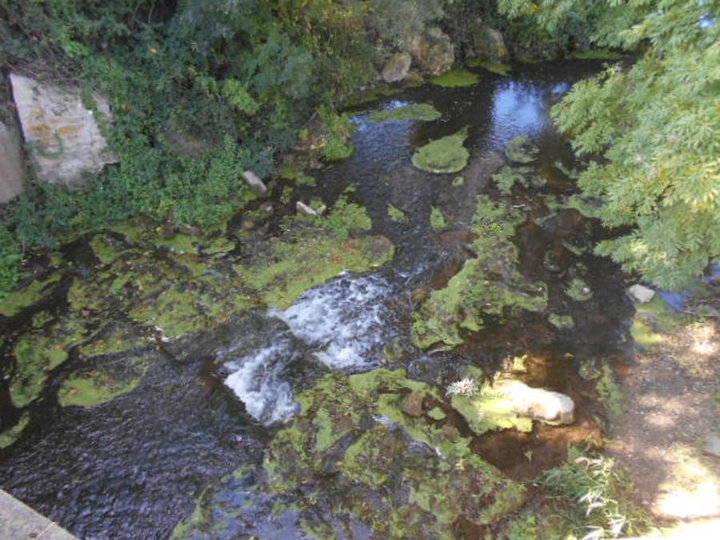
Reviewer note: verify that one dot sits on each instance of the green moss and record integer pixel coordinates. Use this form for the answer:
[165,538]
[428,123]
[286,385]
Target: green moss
[350,465]
[610,393]
[456,78]
[445,155]
[296,174]
[494,67]
[114,338]
[488,285]
[458,181]
[578,290]
[420,111]
[93,388]
[437,220]
[396,214]
[35,357]
[509,176]
[650,322]
[10,436]
[23,298]
[338,130]
[521,150]
[346,217]
[106,248]
[561,321]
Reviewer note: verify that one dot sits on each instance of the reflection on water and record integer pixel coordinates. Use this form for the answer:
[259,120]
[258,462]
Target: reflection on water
[518,109]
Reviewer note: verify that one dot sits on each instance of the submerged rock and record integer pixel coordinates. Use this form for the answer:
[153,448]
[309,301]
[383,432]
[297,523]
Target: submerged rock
[415,111]
[521,150]
[489,43]
[457,78]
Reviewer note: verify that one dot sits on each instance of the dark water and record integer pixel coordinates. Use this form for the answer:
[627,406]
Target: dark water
[132,468]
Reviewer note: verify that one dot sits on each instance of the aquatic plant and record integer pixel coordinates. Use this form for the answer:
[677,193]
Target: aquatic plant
[416,111]
[445,155]
[456,78]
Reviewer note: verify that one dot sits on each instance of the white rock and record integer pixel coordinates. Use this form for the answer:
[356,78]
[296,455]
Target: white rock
[305,209]
[537,403]
[12,171]
[253,180]
[397,67]
[62,135]
[640,293]
[712,444]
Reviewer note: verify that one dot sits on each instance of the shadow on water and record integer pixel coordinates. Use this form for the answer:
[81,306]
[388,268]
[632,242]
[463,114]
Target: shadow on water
[132,468]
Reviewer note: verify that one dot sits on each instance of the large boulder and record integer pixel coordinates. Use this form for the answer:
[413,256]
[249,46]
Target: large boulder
[397,67]
[62,134]
[432,51]
[12,170]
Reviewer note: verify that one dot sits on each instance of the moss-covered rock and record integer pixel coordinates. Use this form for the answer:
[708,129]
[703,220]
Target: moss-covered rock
[416,111]
[372,472]
[486,286]
[37,354]
[102,383]
[456,78]
[445,155]
[26,296]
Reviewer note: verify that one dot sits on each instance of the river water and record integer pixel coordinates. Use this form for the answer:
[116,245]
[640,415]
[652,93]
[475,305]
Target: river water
[132,468]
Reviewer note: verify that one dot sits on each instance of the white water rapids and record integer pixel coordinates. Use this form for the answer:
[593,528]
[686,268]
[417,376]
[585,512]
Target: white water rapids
[343,323]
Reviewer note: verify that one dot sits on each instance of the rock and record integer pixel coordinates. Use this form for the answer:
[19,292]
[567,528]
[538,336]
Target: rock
[397,67]
[432,51]
[303,208]
[413,404]
[489,43]
[253,180]
[12,171]
[537,403]
[640,293]
[63,135]
[712,444]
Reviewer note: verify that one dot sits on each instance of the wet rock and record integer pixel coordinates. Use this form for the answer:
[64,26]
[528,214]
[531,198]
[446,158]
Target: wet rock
[255,183]
[432,51]
[489,43]
[640,293]
[537,403]
[12,169]
[397,67]
[63,135]
[444,155]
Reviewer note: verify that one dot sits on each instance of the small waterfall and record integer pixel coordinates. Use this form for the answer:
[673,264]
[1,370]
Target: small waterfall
[343,323]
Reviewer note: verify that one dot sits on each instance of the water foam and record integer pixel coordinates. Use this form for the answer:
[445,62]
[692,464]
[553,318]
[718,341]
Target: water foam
[344,323]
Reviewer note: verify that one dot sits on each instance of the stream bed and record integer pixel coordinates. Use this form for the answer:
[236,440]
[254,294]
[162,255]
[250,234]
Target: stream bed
[205,435]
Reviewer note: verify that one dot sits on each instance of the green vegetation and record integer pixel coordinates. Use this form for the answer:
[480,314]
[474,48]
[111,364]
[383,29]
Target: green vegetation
[93,388]
[418,111]
[487,286]
[494,67]
[456,78]
[591,494]
[10,436]
[437,220]
[444,155]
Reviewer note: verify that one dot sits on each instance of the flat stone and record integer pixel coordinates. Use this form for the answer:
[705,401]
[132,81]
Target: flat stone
[413,404]
[537,403]
[20,522]
[303,208]
[63,136]
[12,170]
[640,293]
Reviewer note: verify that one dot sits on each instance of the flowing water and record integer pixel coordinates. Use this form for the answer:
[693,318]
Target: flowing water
[133,467]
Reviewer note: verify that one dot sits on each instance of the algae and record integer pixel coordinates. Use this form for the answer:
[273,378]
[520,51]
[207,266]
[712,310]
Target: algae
[578,290]
[417,111]
[521,150]
[456,78]
[437,220]
[509,176]
[92,387]
[596,54]
[488,285]
[396,214]
[561,321]
[11,436]
[609,393]
[445,155]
